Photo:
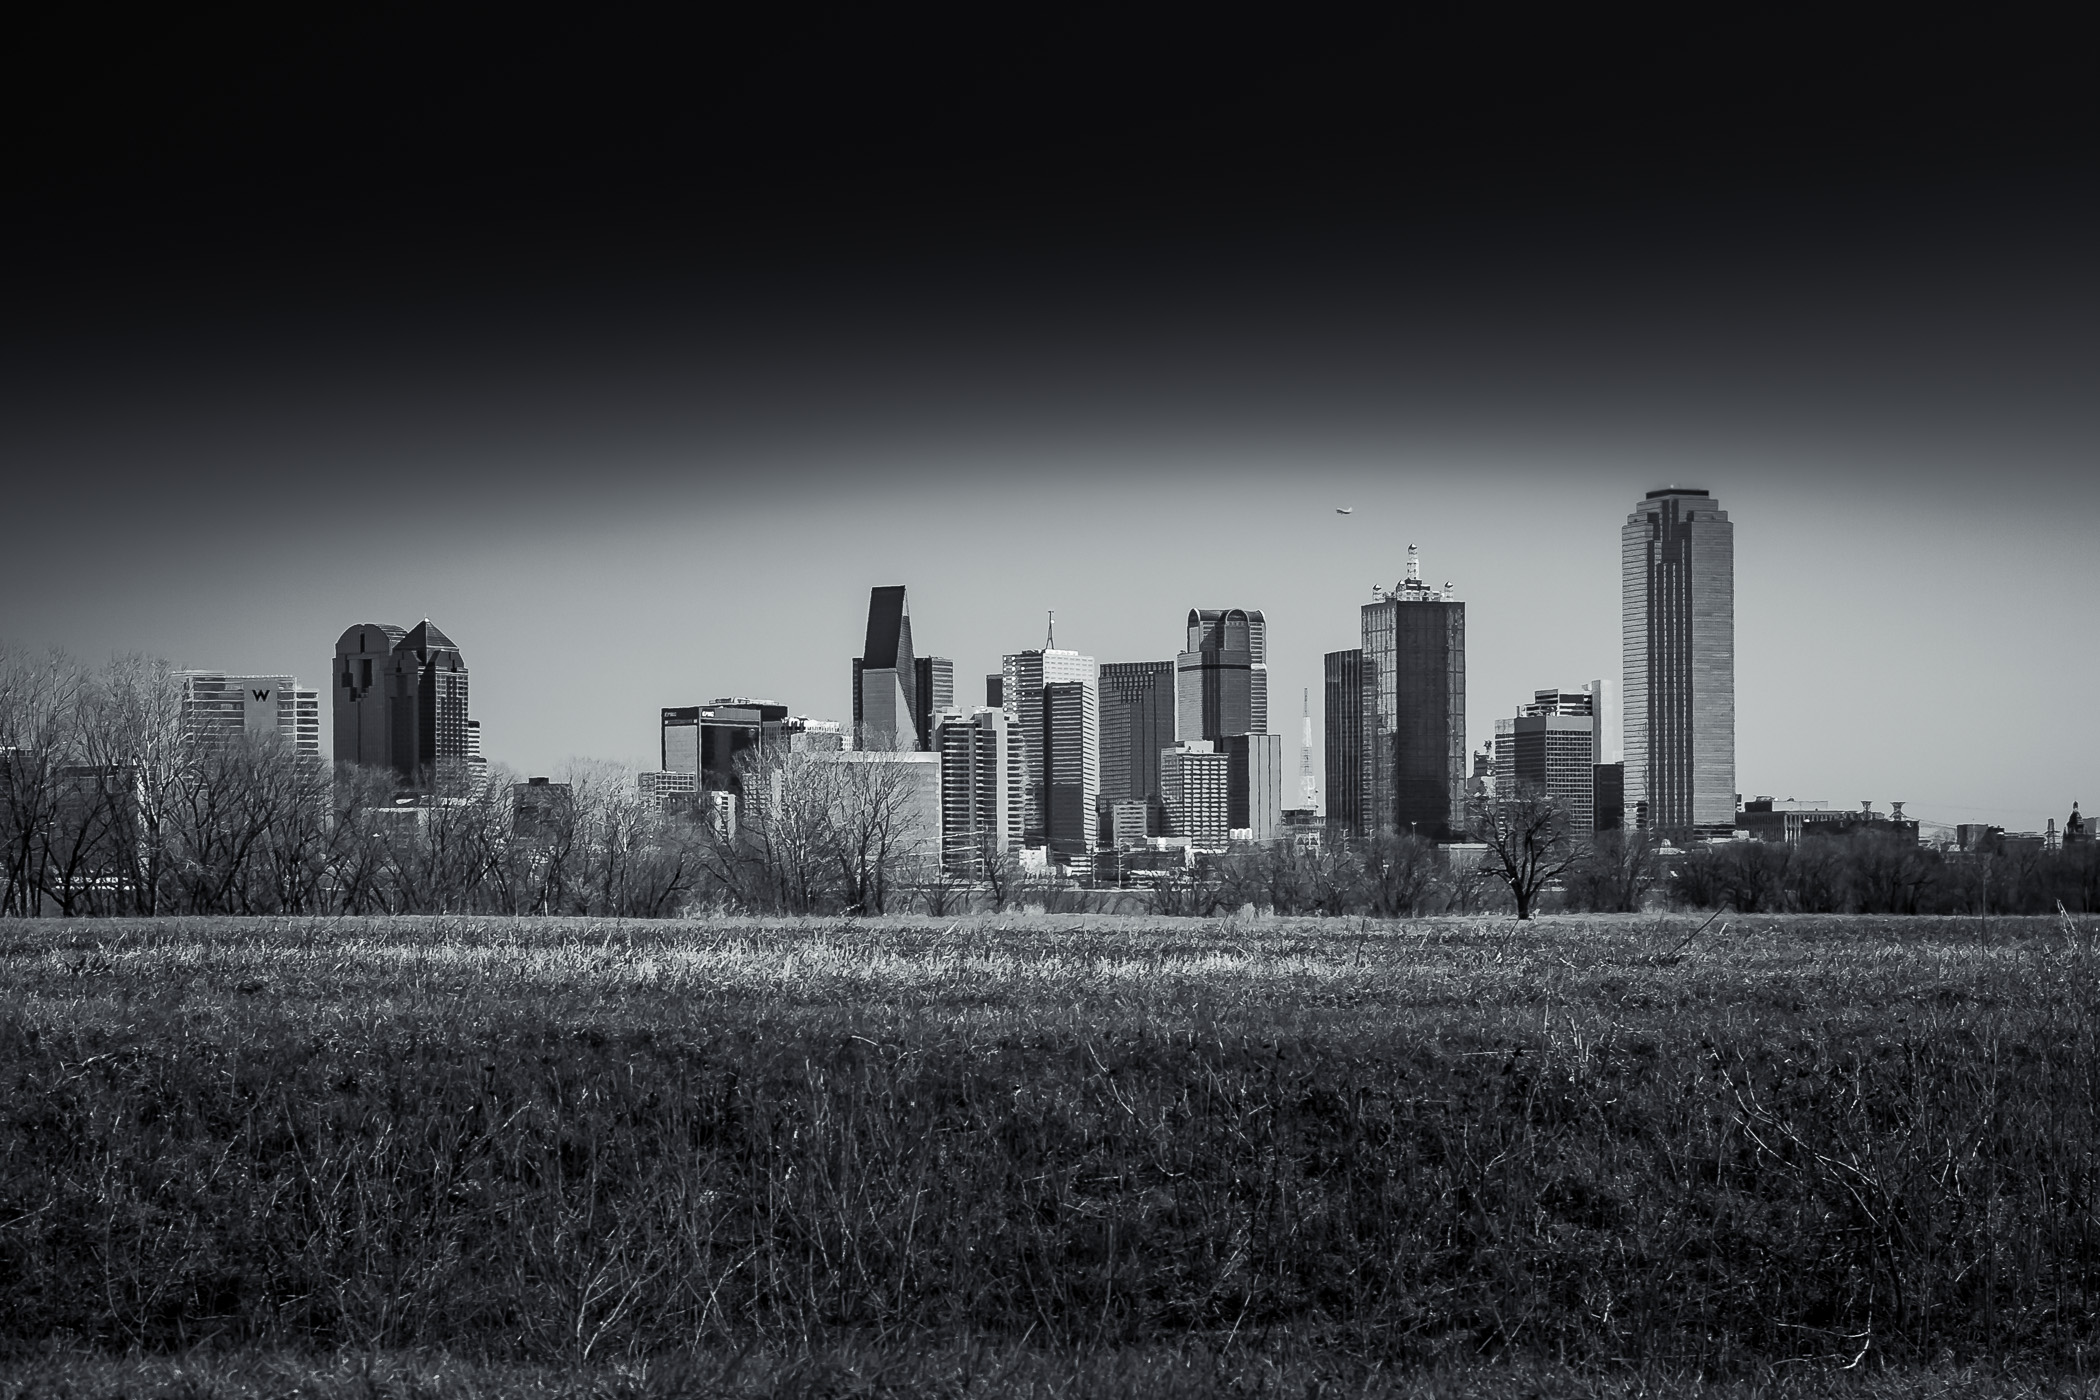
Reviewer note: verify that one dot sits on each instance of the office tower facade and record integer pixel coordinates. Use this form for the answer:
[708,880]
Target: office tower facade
[933,690]
[907,783]
[217,707]
[1308,787]
[1677,572]
[401,702]
[1550,747]
[1129,822]
[1221,681]
[363,657]
[886,676]
[669,791]
[1195,784]
[1608,784]
[983,779]
[1253,784]
[719,740]
[1023,677]
[429,705]
[1071,768]
[541,811]
[995,692]
[1414,727]
[1342,710]
[1137,721]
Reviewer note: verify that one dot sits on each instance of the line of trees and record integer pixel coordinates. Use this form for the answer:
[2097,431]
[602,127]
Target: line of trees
[107,806]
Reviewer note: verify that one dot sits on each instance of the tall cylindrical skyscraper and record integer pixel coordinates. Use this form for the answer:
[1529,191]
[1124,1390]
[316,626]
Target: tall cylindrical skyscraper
[1677,560]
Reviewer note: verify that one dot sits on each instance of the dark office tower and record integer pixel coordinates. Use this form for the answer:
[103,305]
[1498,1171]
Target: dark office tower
[708,740]
[1071,767]
[1677,571]
[933,691]
[1344,710]
[995,692]
[1137,721]
[1221,683]
[886,676]
[1414,689]
[364,657]
[428,706]
[1610,784]
[1254,784]
[1023,679]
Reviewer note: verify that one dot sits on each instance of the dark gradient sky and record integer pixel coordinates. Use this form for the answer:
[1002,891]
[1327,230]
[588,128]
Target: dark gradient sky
[635,372]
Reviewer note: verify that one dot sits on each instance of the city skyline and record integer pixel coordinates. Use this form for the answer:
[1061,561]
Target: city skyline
[1479,725]
[1044,431]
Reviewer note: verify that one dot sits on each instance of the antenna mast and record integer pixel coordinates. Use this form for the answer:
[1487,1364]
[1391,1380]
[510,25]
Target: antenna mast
[1050,641]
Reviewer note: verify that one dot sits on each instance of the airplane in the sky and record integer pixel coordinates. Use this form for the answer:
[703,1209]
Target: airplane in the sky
[1345,510]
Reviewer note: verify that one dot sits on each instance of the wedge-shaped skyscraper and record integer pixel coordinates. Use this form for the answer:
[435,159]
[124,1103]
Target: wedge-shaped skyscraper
[896,693]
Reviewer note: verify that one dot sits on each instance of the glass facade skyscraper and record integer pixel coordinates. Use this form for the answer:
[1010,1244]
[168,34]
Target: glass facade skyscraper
[1414,696]
[1137,721]
[1221,682]
[1343,711]
[1024,675]
[1071,767]
[1677,563]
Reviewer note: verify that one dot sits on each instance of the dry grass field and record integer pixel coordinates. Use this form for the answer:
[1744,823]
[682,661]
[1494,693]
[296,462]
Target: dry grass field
[1050,1155]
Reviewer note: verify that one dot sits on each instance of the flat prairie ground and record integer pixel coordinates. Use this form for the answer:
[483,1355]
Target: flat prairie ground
[1048,1155]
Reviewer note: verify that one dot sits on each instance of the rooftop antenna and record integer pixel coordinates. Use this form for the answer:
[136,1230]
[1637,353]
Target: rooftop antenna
[1050,641]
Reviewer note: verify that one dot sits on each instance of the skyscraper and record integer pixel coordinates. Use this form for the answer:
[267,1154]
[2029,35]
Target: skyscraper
[933,690]
[1677,573]
[362,656]
[401,702]
[1137,721]
[1221,682]
[1195,785]
[886,676]
[1414,690]
[1343,707]
[1550,747]
[1023,676]
[983,781]
[217,707]
[1071,767]
[1253,784]
[712,741]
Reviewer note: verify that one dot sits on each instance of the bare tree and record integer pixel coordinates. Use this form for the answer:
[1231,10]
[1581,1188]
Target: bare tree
[1615,872]
[1397,875]
[999,864]
[881,828]
[39,700]
[779,857]
[1530,841]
